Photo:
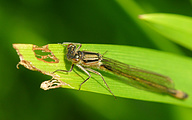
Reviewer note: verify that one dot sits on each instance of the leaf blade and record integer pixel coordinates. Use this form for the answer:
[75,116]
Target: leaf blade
[160,62]
[175,27]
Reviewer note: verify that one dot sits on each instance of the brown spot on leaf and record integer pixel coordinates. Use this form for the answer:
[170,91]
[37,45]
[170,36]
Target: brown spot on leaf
[44,54]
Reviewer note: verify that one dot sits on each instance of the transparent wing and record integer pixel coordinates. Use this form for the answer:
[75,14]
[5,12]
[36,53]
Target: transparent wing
[138,77]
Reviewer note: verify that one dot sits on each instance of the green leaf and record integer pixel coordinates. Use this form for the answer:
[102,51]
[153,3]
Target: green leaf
[175,27]
[179,68]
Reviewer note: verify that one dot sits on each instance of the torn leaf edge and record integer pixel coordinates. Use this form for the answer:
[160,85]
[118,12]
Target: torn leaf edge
[44,85]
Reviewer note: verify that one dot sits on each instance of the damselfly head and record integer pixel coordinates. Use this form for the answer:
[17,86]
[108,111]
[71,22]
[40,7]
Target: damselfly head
[72,53]
[71,49]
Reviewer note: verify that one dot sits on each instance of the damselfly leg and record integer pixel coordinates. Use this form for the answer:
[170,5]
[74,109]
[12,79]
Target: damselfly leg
[65,70]
[86,71]
[98,73]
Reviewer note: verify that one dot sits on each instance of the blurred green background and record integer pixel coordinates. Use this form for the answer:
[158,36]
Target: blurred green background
[43,22]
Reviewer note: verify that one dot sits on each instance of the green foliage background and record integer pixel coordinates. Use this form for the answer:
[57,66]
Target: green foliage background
[42,22]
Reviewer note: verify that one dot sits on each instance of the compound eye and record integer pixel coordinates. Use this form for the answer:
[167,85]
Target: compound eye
[68,46]
[71,47]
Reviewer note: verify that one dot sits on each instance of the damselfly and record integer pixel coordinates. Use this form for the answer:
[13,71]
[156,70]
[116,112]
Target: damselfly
[152,81]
